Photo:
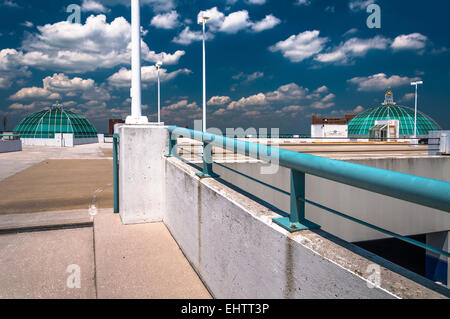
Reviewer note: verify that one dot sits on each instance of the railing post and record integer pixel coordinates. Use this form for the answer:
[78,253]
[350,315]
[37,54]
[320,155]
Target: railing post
[116,174]
[172,144]
[207,160]
[296,220]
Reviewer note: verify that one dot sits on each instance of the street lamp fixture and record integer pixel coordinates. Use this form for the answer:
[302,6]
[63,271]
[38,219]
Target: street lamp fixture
[416,83]
[158,67]
[202,21]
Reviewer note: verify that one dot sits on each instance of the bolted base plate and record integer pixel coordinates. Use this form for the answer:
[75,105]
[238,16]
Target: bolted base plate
[294,227]
[203,175]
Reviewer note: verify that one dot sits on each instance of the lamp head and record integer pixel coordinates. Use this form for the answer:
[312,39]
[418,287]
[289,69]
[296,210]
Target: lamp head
[203,19]
[159,64]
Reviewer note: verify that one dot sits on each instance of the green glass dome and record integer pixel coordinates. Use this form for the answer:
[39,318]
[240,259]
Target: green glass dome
[363,122]
[46,123]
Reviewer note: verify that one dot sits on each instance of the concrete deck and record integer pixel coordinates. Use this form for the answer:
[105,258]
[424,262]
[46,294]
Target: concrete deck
[116,261]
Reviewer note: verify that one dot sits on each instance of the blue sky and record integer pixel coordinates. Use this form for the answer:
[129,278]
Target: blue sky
[270,63]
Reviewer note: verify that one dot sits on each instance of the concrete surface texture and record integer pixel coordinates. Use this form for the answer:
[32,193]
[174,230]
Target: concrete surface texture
[212,222]
[34,265]
[141,261]
[142,149]
[115,260]
[58,185]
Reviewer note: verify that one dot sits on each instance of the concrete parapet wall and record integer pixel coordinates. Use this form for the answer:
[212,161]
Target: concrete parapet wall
[239,252]
[10,146]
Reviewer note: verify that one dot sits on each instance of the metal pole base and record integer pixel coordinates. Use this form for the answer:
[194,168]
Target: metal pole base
[294,227]
[207,175]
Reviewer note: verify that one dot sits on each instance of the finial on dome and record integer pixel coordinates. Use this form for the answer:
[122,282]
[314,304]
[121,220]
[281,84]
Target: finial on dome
[389,97]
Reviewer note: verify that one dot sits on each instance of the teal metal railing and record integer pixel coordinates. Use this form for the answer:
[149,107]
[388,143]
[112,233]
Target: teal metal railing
[116,172]
[420,190]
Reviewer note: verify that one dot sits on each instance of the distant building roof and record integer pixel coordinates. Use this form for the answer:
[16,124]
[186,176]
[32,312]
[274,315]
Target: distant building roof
[332,120]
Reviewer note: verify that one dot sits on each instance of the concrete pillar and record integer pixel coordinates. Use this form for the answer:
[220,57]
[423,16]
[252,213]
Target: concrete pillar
[438,267]
[142,172]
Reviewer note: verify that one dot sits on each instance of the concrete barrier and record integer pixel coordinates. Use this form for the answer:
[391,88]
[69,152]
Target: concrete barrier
[10,146]
[238,252]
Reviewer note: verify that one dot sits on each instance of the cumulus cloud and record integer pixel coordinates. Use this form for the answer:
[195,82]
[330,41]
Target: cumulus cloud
[219,100]
[413,41]
[269,22]
[231,24]
[354,47]
[380,81]
[79,48]
[149,74]
[187,36]
[235,22]
[302,46]
[167,20]
[289,98]
[60,86]
[93,6]
[11,68]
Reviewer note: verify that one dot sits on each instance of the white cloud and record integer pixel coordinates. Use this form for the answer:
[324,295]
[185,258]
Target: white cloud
[34,93]
[413,41]
[268,22]
[20,106]
[157,5]
[380,81]
[352,48]
[187,36]
[59,86]
[359,5]
[256,2]
[219,100]
[93,6]
[302,2]
[299,47]
[358,109]
[246,78]
[79,48]
[231,24]
[10,3]
[235,22]
[407,97]
[11,68]
[28,24]
[167,20]
[122,78]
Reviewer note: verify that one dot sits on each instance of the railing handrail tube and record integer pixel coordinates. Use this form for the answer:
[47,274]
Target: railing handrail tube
[420,190]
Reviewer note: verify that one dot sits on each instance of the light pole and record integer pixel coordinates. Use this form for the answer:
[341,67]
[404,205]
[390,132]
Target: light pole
[135,92]
[158,66]
[202,21]
[415,107]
